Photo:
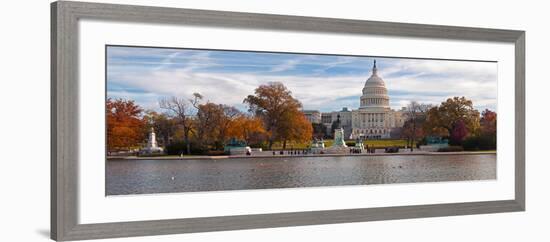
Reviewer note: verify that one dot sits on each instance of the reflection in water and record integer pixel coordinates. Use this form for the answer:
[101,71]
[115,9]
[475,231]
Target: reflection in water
[162,176]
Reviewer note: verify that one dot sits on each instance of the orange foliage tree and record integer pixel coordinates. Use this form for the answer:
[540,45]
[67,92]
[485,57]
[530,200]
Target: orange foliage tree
[294,127]
[125,128]
[247,128]
[213,123]
[279,111]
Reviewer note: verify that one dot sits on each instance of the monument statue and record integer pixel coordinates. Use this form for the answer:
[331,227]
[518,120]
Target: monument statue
[339,145]
[339,138]
[359,145]
[434,143]
[317,146]
[152,142]
[237,147]
[152,146]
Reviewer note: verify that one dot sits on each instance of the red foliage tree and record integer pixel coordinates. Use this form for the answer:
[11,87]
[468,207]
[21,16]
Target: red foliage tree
[125,128]
[459,132]
[488,123]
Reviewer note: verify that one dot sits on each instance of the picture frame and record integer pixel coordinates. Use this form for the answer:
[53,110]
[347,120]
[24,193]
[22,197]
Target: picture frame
[65,16]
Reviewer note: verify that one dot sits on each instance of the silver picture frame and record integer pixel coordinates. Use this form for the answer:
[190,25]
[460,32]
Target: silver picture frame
[65,16]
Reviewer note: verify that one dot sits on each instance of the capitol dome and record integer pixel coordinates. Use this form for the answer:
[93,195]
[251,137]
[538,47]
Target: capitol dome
[375,94]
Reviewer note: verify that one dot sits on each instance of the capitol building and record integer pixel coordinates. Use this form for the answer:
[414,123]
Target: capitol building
[374,119]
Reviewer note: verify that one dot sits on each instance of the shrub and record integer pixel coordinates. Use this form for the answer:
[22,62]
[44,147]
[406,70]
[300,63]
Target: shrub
[423,141]
[215,152]
[175,148]
[453,148]
[488,143]
[471,144]
[180,147]
[262,145]
[479,143]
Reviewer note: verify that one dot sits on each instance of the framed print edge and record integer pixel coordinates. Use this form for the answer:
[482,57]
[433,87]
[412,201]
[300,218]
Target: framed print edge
[64,119]
[520,121]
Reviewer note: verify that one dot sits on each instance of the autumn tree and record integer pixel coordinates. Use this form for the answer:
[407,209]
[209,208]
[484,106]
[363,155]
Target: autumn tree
[294,126]
[488,123]
[165,127]
[486,138]
[182,110]
[274,104]
[319,130]
[247,128]
[449,114]
[412,130]
[415,113]
[125,128]
[459,132]
[229,115]
[213,123]
[208,116]
[397,132]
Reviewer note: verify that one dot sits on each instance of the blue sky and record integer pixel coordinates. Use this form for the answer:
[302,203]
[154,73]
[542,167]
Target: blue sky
[321,82]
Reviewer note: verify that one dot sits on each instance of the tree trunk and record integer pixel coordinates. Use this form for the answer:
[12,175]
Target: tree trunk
[284,145]
[188,146]
[186,139]
[413,134]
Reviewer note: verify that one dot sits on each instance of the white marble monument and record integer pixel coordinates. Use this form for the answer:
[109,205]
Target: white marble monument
[152,146]
[317,146]
[339,145]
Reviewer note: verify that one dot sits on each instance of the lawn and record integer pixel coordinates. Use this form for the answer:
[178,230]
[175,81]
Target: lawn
[386,143]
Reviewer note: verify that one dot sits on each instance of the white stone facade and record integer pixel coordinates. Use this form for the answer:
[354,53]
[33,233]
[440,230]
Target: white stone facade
[374,119]
[375,124]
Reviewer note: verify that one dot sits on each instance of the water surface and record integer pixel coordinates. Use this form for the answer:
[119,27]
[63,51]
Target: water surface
[165,176]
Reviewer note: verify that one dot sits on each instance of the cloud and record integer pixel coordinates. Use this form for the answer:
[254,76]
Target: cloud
[287,65]
[320,82]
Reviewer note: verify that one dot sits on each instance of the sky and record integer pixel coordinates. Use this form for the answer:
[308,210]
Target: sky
[321,82]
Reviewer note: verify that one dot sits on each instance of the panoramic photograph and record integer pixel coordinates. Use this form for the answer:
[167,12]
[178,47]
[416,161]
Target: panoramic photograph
[198,120]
